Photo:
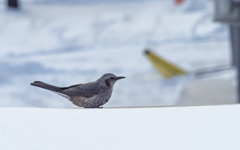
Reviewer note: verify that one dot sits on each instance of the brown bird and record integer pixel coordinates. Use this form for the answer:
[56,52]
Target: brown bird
[87,95]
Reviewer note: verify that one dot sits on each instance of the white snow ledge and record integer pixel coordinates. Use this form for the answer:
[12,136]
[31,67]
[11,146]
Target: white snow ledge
[167,128]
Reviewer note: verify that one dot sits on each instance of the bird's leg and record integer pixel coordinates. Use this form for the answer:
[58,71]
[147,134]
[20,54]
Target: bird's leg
[98,107]
[94,107]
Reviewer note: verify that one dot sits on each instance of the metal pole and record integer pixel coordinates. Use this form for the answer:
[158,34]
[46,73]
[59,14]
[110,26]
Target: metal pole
[12,3]
[235,45]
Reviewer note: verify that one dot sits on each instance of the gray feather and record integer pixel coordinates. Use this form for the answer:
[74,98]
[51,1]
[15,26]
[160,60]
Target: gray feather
[84,90]
[45,86]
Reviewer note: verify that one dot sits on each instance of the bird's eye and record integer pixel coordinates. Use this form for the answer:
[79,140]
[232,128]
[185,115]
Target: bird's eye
[111,78]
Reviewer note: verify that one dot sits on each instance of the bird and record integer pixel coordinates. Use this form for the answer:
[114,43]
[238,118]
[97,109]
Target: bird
[87,95]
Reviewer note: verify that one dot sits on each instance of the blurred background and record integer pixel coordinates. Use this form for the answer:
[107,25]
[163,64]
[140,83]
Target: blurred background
[67,42]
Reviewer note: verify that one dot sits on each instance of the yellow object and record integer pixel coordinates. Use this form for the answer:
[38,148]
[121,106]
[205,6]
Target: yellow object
[166,68]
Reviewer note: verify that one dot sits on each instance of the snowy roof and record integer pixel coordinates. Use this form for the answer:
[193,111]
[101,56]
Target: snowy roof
[166,128]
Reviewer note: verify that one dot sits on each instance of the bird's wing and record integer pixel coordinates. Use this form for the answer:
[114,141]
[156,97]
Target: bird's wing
[84,90]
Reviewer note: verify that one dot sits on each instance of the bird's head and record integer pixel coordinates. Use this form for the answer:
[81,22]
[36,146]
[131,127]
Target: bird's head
[108,79]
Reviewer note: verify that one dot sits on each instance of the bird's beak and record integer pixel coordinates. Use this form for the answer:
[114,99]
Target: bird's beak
[118,78]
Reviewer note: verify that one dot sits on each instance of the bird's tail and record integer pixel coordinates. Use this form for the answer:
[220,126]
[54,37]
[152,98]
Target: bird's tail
[46,86]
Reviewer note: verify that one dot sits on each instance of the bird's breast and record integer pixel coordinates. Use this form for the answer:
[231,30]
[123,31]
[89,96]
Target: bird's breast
[94,101]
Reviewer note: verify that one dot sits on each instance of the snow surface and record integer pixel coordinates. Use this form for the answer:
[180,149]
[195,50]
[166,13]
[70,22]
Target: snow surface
[169,128]
[66,44]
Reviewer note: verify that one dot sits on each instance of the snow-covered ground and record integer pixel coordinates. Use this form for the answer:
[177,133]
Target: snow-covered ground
[65,44]
[169,128]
